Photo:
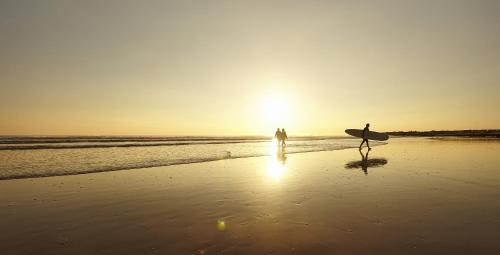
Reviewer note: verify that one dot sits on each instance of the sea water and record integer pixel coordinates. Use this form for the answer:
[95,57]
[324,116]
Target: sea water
[25,157]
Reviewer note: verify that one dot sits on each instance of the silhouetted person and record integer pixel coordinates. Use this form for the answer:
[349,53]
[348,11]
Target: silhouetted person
[365,134]
[278,135]
[283,137]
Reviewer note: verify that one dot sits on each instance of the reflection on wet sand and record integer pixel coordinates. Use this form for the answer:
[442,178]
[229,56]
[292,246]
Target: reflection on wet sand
[281,155]
[277,168]
[364,163]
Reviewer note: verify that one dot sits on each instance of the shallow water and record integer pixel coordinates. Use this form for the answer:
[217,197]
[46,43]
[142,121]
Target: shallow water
[24,157]
[421,196]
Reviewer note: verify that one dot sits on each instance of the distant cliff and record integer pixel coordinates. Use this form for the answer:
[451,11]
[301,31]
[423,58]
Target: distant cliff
[487,133]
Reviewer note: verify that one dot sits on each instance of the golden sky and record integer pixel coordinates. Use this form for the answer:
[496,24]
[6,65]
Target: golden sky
[247,67]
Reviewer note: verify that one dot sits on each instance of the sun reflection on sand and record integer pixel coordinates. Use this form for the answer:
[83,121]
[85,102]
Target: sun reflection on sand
[276,167]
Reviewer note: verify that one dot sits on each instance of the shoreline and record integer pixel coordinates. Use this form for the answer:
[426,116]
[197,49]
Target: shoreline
[35,176]
[171,164]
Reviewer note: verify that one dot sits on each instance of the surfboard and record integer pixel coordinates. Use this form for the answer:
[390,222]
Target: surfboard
[371,134]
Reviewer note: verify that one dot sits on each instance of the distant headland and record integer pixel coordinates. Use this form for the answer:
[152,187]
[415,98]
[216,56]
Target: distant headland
[484,133]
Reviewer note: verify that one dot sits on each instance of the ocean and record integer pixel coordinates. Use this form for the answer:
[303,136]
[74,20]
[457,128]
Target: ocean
[30,156]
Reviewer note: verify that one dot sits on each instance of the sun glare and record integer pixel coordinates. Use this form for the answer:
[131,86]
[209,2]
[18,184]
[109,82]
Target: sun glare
[276,167]
[275,170]
[275,112]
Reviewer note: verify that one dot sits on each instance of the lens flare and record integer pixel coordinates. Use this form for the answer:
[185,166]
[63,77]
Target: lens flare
[221,225]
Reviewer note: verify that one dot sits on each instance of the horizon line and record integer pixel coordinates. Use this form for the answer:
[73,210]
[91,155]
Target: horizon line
[243,135]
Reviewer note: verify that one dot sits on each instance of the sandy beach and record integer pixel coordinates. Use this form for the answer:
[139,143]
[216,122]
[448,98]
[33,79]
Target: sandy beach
[234,127]
[415,196]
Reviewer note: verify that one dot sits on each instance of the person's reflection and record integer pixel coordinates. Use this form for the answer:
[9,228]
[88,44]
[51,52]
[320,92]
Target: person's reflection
[365,162]
[281,155]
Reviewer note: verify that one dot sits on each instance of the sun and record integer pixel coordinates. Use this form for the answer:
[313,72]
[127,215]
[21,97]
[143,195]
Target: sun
[275,111]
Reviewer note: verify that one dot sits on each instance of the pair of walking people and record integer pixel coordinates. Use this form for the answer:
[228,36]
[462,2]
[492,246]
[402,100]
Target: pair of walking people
[280,136]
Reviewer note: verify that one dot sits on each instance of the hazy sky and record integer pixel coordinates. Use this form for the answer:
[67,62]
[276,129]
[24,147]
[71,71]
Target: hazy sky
[247,67]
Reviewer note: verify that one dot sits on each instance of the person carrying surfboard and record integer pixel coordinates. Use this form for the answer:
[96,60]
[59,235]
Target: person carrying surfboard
[365,139]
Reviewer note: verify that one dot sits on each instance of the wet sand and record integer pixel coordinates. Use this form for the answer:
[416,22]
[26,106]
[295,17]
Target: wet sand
[412,196]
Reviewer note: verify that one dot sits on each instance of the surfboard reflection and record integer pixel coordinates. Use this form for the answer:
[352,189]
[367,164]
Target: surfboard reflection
[365,163]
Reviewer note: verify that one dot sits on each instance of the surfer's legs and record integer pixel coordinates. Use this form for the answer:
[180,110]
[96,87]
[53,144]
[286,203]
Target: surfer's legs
[361,145]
